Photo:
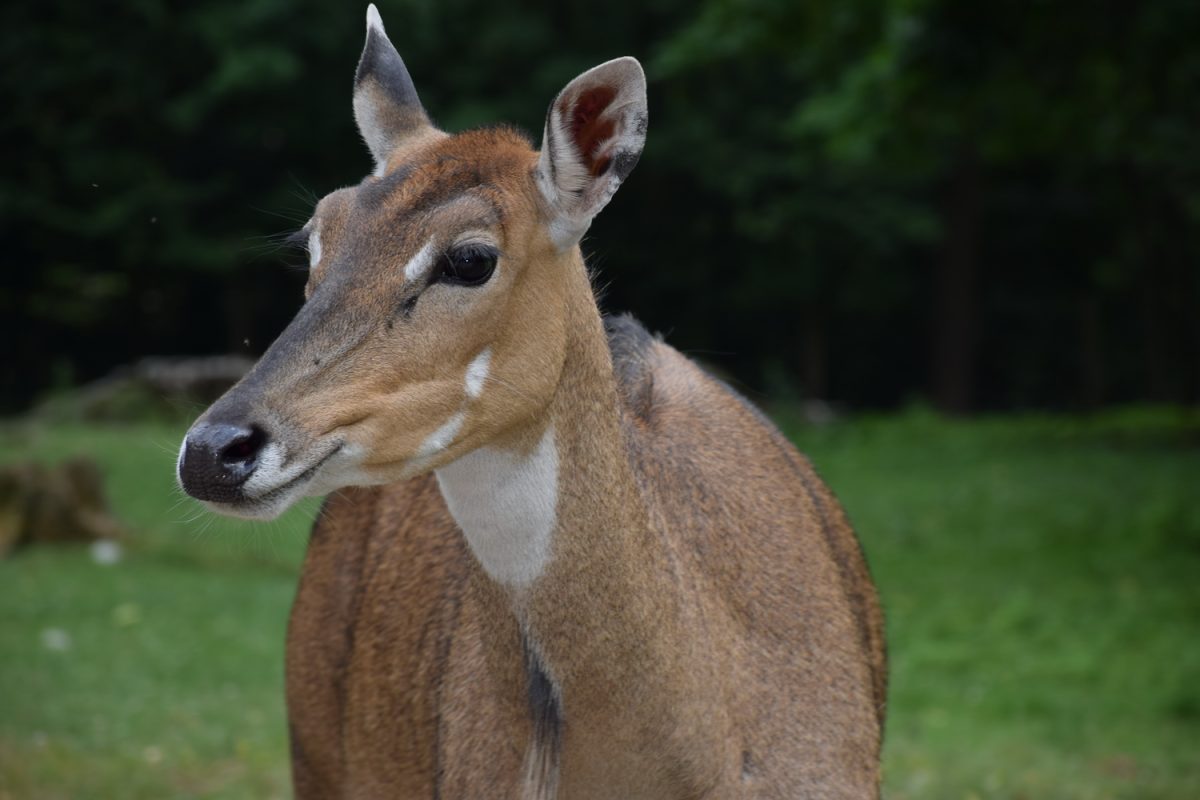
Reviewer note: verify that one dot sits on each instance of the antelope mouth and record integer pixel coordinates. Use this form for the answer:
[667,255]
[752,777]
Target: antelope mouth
[265,498]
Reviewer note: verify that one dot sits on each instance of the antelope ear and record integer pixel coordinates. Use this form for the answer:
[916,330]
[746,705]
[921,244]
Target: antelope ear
[386,106]
[594,134]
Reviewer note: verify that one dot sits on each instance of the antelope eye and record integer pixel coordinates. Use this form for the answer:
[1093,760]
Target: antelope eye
[471,265]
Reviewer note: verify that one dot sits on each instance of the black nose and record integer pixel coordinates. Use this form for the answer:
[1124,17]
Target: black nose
[218,458]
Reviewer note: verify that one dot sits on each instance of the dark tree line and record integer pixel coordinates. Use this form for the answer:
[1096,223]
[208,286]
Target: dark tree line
[989,205]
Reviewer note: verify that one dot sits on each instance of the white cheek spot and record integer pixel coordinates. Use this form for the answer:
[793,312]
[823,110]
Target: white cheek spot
[314,247]
[506,505]
[477,373]
[443,437]
[418,266]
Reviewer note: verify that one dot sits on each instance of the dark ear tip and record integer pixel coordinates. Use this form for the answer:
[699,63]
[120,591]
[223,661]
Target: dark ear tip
[377,49]
[364,62]
[382,63]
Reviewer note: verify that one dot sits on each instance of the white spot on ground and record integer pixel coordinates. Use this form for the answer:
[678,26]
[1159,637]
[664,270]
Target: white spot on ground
[56,640]
[126,615]
[106,552]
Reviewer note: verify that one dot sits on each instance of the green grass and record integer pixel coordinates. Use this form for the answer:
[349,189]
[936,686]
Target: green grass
[1041,578]
[172,684]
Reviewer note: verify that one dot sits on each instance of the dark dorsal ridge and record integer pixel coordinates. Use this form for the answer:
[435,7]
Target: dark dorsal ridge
[630,344]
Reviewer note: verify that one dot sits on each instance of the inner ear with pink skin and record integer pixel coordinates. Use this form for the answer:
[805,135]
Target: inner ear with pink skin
[589,127]
[595,131]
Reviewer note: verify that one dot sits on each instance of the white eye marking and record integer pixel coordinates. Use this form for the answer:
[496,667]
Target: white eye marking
[314,247]
[418,267]
[477,372]
[443,437]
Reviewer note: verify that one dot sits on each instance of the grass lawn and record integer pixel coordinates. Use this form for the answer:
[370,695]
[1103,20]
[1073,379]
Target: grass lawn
[1041,578]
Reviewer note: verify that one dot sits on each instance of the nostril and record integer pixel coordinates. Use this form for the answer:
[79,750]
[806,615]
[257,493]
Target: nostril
[244,447]
[218,458]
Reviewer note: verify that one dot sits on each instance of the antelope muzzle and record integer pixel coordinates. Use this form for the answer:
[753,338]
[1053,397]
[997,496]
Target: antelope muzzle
[218,458]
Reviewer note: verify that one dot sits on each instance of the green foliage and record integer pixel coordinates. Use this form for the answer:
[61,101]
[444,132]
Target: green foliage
[1038,575]
[796,188]
[853,121]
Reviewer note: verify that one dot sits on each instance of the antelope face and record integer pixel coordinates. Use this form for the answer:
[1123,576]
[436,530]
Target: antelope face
[434,319]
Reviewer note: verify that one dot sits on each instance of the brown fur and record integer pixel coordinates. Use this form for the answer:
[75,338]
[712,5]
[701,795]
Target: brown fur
[704,625]
[759,596]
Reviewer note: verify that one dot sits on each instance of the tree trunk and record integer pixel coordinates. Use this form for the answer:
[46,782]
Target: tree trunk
[1091,352]
[955,310]
[813,353]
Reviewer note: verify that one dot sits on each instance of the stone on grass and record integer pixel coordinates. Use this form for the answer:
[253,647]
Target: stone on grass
[63,503]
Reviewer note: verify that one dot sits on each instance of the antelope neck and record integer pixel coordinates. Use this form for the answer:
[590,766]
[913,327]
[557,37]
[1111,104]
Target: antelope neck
[566,535]
[505,503]
[510,503]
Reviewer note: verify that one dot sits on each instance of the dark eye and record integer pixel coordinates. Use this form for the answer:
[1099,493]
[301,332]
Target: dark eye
[467,266]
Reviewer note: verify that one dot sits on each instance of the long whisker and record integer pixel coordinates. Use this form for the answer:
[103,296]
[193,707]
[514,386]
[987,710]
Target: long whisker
[505,384]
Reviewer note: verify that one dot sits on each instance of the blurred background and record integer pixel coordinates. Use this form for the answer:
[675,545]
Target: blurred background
[951,247]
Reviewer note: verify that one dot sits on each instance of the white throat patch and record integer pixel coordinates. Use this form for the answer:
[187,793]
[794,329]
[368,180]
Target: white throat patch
[506,507]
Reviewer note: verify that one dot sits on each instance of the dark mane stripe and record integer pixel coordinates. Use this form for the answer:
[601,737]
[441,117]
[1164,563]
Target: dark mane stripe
[545,712]
[630,345]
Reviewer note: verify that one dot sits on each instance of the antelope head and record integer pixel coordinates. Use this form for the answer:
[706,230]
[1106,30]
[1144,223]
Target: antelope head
[434,319]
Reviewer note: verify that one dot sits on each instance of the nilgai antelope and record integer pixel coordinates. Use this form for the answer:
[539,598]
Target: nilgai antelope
[557,559]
